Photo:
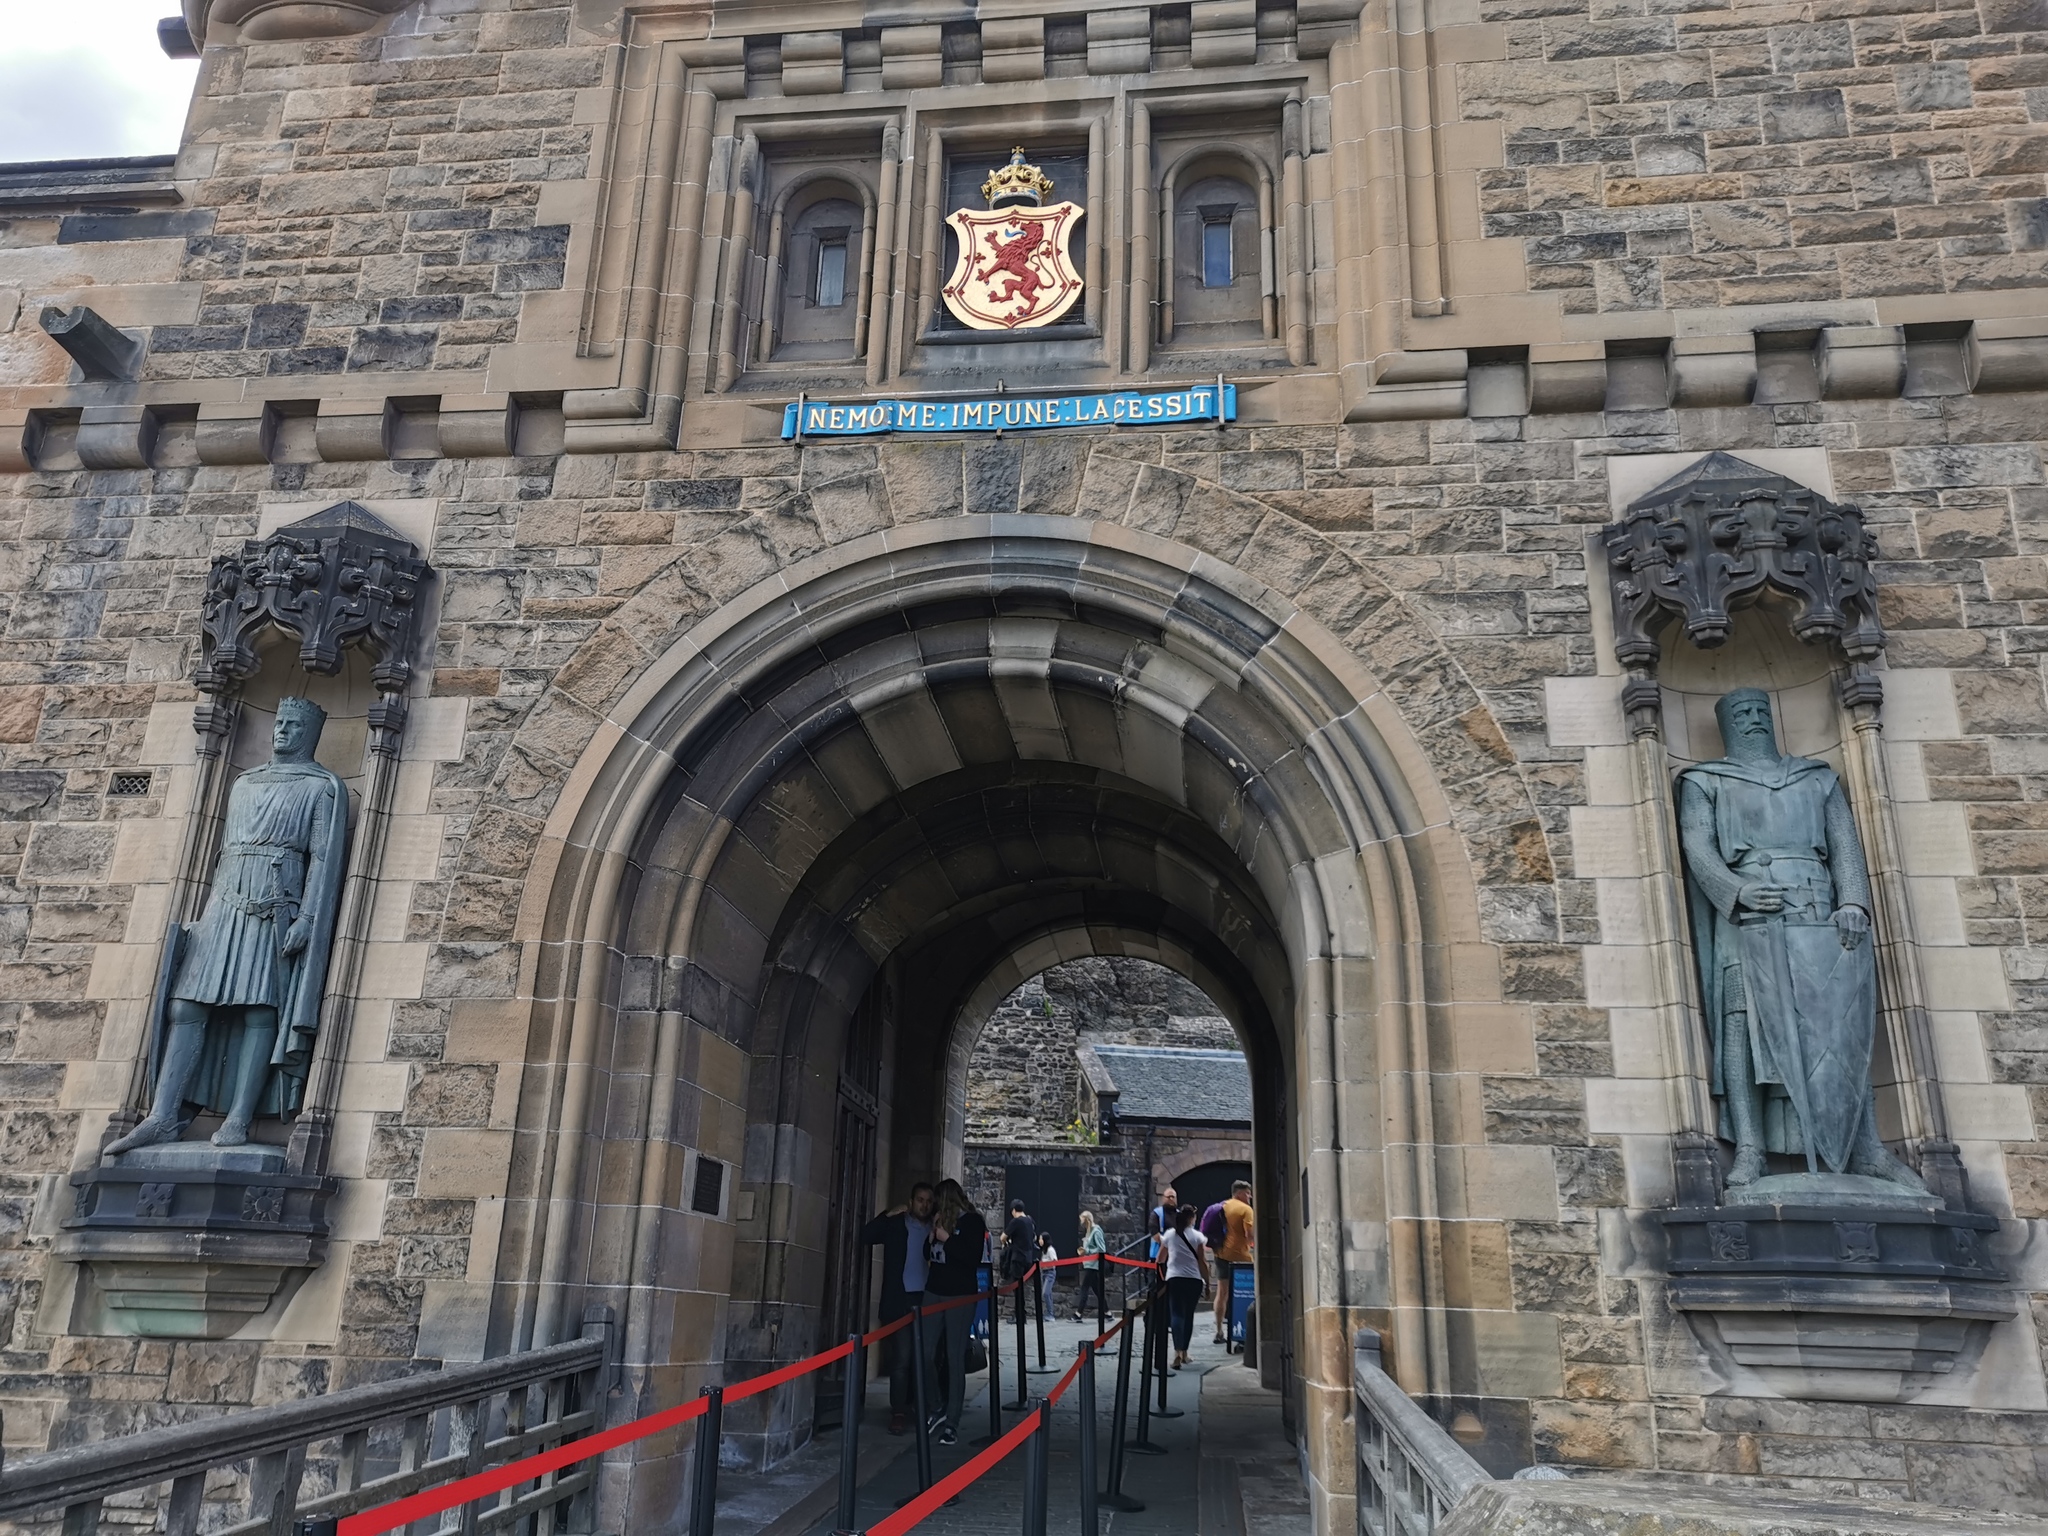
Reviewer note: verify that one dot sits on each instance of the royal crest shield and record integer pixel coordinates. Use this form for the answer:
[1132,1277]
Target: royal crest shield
[1013,271]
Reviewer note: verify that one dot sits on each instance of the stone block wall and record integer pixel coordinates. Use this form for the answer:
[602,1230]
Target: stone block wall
[398,226]
[1022,1081]
[1478,536]
[1711,155]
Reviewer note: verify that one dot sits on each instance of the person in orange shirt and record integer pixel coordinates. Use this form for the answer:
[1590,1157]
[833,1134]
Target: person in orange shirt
[1234,1249]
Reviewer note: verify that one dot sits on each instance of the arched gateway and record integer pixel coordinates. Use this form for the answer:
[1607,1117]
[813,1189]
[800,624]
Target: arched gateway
[806,833]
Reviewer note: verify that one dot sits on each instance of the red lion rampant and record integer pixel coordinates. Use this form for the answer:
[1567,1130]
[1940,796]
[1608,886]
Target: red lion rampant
[1014,256]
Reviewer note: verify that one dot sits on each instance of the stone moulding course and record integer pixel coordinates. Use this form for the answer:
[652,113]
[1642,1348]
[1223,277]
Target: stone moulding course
[647,410]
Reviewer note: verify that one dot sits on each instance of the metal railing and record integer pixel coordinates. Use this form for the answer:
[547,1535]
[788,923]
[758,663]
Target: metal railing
[1411,1473]
[321,1458]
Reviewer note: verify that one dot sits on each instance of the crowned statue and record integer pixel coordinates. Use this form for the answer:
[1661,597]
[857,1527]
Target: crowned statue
[1780,898]
[243,1002]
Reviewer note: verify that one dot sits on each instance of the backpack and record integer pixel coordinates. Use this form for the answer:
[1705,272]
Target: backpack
[1215,1226]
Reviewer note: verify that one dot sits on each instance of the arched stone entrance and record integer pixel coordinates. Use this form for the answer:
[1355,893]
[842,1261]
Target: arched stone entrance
[807,837]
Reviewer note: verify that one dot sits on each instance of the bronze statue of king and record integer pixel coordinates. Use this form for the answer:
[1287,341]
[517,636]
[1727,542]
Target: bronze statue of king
[1780,897]
[243,1004]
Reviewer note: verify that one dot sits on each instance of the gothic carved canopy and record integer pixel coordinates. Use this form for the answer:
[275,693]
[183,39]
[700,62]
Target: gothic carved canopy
[1723,535]
[341,577]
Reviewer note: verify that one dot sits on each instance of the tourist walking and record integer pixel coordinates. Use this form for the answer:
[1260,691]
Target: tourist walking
[1231,1241]
[1020,1243]
[958,1237]
[904,1234]
[1160,1219]
[1094,1243]
[1185,1252]
[1048,1256]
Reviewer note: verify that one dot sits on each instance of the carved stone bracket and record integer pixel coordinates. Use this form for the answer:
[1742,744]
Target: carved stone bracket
[263,21]
[187,1242]
[1849,1303]
[1721,536]
[338,578]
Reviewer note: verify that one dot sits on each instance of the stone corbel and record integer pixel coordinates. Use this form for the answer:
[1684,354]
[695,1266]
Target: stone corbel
[1862,362]
[269,21]
[1567,377]
[1413,386]
[2007,354]
[1319,25]
[1013,48]
[1712,372]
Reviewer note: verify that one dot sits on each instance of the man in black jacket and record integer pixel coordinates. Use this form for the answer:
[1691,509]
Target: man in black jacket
[904,1233]
[1020,1242]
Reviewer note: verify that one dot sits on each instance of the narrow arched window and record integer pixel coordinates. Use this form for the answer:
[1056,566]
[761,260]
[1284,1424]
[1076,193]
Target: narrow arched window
[1219,268]
[828,289]
[1217,291]
[817,292]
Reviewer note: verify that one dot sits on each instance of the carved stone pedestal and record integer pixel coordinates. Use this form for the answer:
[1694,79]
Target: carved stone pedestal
[1848,1302]
[190,1241]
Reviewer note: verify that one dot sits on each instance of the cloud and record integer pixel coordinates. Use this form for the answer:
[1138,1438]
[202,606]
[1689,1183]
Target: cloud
[87,79]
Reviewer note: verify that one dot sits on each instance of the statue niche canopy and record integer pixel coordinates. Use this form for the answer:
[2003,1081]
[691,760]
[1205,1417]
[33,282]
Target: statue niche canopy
[1809,1259]
[1725,535]
[211,1193]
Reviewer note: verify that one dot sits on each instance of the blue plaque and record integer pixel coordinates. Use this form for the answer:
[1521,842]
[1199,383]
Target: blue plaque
[1203,403]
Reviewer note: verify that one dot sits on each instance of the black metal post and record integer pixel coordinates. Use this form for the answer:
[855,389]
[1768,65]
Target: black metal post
[1142,1442]
[1037,1457]
[1119,1412]
[849,1437]
[920,1400]
[1037,1283]
[1165,1345]
[1023,1397]
[995,1367]
[1084,1383]
[704,1484]
[1101,1299]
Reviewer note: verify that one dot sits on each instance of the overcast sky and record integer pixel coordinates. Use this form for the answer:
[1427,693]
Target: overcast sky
[85,78]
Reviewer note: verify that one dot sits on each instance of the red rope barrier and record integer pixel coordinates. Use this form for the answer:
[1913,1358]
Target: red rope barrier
[944,1489]
[434,1501]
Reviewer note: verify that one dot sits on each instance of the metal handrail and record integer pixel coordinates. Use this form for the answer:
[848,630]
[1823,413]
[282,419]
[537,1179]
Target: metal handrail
[183,1453]
[1411,1473]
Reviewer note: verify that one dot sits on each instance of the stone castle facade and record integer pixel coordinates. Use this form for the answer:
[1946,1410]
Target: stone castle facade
[730,772]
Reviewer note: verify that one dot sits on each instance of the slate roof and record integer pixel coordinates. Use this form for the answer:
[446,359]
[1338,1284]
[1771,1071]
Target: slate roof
[1174,1084]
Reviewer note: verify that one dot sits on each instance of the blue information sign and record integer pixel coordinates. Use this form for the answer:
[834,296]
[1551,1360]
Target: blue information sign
[1242,1290]
[1013,413]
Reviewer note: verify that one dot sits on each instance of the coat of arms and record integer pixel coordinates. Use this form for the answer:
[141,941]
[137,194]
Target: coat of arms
[1013,271]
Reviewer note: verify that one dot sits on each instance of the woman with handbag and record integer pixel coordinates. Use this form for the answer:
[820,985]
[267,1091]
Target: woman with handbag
[1187,1274]
[958,1234]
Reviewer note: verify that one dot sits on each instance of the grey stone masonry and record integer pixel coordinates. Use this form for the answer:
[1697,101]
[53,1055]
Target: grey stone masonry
[1023,1081]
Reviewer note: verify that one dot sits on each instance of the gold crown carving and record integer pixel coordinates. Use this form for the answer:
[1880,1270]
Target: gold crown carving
[1016,182]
